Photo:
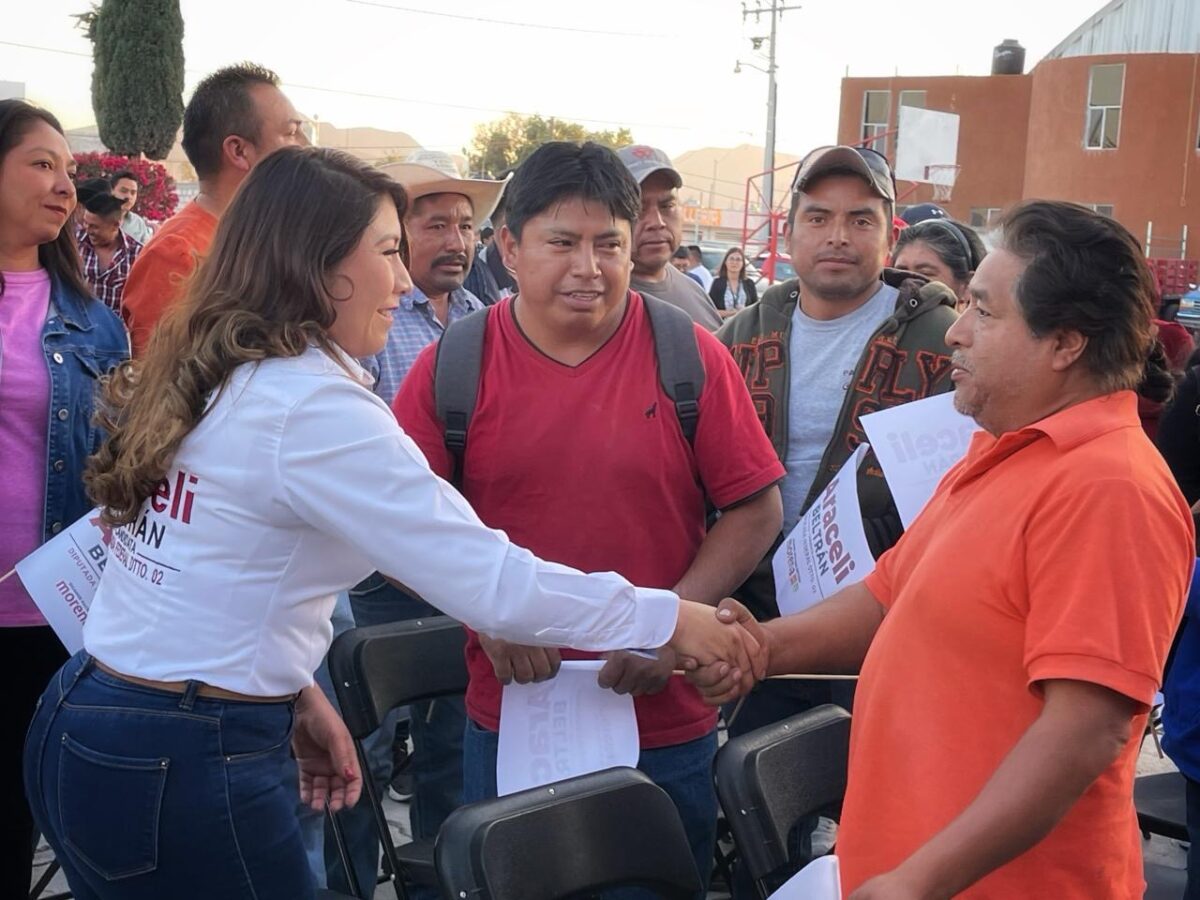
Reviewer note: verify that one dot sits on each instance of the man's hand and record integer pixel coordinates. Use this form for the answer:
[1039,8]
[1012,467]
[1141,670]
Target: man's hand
[519,663]
[629,673]
[704,637]
[719,682]
[324,754]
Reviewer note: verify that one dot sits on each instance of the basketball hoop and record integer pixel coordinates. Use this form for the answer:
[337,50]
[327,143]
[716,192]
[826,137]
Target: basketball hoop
[942,177]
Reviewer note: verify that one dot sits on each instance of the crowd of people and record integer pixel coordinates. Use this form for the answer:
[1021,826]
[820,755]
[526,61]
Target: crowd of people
[325,395]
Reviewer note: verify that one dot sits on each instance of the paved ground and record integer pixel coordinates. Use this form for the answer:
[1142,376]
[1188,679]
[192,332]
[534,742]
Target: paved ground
[1158,850]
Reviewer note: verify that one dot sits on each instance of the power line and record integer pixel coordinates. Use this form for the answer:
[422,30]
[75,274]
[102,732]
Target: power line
[47,49]
[394,99]
[488,109]
[507,22]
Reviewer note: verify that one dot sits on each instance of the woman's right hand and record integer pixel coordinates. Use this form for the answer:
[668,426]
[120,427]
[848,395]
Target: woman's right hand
[726,645]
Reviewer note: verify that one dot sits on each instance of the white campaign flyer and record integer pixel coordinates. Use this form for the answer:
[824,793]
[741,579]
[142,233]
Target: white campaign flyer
[563,727]
[916,444]
[827,550]
[821,879]
[62,576]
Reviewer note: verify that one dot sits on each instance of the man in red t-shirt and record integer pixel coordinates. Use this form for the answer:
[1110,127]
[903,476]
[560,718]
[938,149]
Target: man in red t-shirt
[1012,642]
[575,451]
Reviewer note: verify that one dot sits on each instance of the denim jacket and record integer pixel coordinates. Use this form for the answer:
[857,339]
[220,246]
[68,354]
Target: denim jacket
[82,340]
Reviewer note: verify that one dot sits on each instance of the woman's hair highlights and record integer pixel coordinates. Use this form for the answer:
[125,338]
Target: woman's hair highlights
[263,292]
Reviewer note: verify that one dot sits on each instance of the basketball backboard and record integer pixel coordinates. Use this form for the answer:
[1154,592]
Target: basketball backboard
[926,145]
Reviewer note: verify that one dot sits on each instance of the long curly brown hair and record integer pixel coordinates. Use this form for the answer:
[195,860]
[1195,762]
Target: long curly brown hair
[262,292]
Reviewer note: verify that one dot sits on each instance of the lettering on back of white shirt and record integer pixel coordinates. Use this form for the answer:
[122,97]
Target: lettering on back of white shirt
[138,547]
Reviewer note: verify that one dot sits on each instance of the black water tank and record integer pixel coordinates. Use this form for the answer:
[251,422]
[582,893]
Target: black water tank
[1008,58]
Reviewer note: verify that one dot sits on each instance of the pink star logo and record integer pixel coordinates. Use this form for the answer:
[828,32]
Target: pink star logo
[105,530]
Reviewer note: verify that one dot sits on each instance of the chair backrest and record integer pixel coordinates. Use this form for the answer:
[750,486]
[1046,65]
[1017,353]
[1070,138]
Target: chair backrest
[378,668]
[570,838]
[771,778]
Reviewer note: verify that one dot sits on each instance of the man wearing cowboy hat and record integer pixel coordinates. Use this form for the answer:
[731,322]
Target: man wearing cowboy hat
[440,228]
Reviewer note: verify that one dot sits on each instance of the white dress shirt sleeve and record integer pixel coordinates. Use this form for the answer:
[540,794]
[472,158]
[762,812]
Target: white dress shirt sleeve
[347,469]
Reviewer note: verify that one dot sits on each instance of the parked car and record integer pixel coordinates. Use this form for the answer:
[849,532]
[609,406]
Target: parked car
[712,254]
[1188,314]
[771,269]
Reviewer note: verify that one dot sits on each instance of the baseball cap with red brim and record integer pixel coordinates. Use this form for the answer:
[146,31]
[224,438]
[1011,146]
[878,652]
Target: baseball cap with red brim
[643,161]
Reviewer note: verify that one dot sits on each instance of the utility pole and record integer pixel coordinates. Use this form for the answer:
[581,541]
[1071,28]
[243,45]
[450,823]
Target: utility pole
[775,10]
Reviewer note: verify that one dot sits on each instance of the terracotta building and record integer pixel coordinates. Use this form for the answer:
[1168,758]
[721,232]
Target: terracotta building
[1109,118]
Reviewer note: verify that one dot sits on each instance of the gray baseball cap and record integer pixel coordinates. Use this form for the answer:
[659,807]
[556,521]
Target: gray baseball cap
[643,161]
[872,166]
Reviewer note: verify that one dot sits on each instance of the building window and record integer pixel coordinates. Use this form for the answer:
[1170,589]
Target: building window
[1105,87]
[876,109]
[1105,209]
[984,216]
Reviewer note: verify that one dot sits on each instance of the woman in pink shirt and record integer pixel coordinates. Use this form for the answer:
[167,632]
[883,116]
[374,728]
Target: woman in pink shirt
[55,341]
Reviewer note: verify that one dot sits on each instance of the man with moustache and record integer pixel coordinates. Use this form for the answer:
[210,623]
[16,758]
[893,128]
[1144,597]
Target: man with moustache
[440,231]
[1012,641]
[658,233]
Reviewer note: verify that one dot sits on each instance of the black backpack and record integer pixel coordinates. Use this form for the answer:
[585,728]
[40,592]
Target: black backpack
[460,358]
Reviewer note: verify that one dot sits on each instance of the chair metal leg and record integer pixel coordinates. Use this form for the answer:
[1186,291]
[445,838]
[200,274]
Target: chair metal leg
[394,865]
[343,854]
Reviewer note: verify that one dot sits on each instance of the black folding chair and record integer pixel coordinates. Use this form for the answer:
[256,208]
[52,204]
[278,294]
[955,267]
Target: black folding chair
[375,670]
[569,839]
[1161,804]
[770,779]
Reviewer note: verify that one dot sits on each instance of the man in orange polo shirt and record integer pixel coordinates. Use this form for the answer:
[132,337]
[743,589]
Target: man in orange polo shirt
[1004,689]
[237,115]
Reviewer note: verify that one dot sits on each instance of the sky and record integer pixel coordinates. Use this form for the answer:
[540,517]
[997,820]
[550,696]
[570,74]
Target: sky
[664,68]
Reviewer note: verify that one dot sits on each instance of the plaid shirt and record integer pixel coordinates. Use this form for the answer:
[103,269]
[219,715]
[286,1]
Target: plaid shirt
[109,285]
[414,328]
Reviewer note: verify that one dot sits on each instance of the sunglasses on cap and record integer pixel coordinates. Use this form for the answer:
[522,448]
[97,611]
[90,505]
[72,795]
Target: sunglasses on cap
[877,163]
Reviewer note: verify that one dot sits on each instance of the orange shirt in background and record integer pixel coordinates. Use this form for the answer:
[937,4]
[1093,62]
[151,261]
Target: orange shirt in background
[1063,550]
[166,262]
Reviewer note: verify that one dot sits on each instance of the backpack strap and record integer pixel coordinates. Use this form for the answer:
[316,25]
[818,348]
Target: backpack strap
[456,383]
[680,369]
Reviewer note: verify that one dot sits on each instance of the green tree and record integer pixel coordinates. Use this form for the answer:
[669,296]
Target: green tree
[137,76]
[503,143]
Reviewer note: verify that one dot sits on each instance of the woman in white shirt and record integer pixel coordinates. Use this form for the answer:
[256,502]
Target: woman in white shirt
[249,475]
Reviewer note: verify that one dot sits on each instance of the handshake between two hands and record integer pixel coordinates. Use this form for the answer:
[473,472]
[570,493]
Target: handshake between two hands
[721,651]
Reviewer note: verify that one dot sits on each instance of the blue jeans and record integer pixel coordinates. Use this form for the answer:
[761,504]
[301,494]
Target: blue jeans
[145,794]
[684,771]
